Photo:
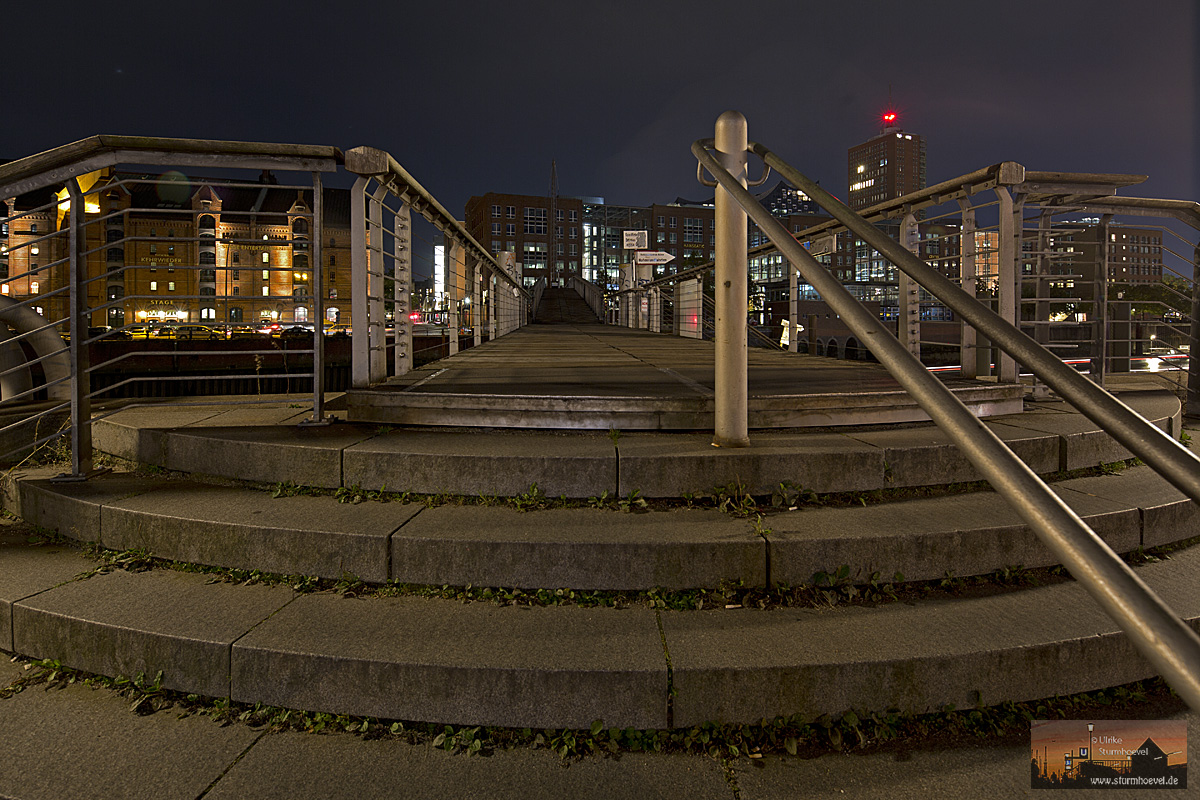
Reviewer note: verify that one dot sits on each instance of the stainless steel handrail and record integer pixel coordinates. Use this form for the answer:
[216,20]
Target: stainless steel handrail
[1160,635]
[1151,444]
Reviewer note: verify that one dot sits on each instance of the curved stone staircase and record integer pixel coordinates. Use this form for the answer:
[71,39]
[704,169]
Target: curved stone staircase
[564,666]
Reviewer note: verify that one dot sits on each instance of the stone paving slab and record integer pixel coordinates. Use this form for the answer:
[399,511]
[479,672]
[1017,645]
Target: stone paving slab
[1167,515]
[476,462]
[923,539]
[234,527]
[926,456]
[308,456]
[305,767]
[577,548]
[747,665]
[661,465]
[1084,444]
[85,744]
[27,570]
[125,623]
[471,664]
[74,509]
[140,434]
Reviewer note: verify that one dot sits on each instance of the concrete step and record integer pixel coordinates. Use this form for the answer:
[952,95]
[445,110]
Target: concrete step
[485,664]
[582,548]
[563,306]
[264,444]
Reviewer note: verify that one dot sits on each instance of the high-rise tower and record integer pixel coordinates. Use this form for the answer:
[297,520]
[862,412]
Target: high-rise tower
[885,166]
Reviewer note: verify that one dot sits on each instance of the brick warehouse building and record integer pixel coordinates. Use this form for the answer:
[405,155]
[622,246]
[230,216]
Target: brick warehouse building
[183,250]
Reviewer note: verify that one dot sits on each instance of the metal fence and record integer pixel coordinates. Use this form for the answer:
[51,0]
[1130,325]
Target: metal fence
[1105,282]
[1155,630]
[129,264]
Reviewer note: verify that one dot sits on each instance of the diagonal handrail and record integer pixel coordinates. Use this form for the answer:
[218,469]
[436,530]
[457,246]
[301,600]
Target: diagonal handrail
[1168,457]
[1158,633]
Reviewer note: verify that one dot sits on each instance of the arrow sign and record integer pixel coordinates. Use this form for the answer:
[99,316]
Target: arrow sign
[653,257]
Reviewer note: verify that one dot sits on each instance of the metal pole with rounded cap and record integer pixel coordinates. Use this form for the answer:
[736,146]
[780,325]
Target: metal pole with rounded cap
[730,400]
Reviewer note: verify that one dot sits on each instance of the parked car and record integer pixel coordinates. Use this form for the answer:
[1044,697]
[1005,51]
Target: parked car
[187,332]
[340,329]
[197,332]
[243,332]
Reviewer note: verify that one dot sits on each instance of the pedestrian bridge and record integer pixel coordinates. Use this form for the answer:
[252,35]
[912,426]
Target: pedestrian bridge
[596,377]
[578,374]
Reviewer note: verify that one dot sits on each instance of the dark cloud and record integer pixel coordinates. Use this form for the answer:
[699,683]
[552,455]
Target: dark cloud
[481,96]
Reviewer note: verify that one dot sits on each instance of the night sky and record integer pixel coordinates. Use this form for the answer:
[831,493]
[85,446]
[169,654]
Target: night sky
[479,96]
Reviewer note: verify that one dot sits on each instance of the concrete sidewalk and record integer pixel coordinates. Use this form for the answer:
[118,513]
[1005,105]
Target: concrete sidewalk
[81,743]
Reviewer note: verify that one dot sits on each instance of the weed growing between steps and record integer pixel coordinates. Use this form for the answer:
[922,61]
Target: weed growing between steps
[826,589]
[733,498]
[857,731]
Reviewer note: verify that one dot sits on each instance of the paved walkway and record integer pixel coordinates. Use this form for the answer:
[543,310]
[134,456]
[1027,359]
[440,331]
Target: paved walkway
[599,376]
[84,743]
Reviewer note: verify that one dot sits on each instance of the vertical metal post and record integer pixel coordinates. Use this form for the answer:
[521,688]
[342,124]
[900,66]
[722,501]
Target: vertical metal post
[453,272]
[1041,297]
[376,319]
[476,300]
[731,405]
[81,404]
[360,376]
[318,232]
[1100,305]
[402,289]
[967,251]
[1193,390]
[492,284]
[908,323]
[793,308]
[1007,301]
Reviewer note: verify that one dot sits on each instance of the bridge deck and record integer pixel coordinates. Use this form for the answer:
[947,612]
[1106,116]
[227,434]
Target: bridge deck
[596,377]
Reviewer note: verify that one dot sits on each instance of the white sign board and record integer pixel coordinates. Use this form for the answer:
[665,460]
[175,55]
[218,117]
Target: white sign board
[822,245]
[653,257]
[636,240]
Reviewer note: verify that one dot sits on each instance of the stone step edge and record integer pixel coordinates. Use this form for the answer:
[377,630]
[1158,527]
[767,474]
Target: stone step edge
[588,465]
[279,655]
[580,549]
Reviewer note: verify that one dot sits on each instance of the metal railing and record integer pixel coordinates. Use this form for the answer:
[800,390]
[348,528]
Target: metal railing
[480,292]
[592,294]
[1156,631]
[81,253]
[115,274]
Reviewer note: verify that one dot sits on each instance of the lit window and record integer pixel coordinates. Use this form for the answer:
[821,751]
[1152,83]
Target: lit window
[861,168]
[266,291]
[4,289]
[35,250]
[171,286]
[266,257]
[34,286]
[154,286]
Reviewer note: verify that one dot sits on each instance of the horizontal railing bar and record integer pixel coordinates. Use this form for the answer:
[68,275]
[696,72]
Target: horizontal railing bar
[1178,465]
[1157,632]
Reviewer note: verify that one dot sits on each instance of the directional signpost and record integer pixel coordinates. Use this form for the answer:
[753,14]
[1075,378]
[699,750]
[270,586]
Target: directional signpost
[655,257]
[636,240]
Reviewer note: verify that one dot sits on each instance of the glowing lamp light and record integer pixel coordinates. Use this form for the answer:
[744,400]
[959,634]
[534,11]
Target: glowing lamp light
[890,117]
